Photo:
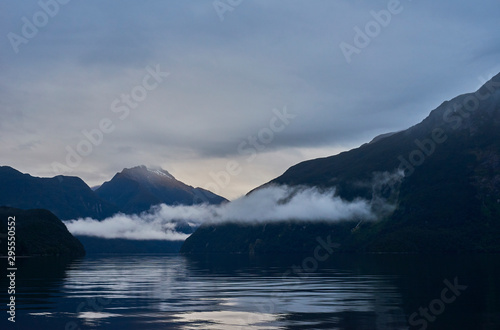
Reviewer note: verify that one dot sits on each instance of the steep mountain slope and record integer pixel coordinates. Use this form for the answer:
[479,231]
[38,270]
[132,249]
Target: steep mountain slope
[38,232]
[65,196]
[448,200]
[136,189]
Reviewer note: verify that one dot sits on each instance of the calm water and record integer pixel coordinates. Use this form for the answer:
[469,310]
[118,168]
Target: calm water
[224,292]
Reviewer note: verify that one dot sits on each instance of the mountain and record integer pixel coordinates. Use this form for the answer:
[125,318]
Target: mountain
[136,189]
[37,233]
[447,201]
[131,191]
[66,196]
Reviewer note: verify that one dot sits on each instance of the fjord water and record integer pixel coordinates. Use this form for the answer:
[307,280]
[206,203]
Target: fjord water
[271,292]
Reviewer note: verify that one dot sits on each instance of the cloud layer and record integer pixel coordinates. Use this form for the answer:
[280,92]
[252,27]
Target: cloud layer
[269,204]
[226,77]
[130,227]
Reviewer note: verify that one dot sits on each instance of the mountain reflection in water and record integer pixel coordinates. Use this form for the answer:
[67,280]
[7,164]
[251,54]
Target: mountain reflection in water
[237,292]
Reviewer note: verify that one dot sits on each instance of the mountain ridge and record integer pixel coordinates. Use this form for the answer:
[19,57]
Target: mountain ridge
[448,200]
[65,196]
[136,189]
[69,197]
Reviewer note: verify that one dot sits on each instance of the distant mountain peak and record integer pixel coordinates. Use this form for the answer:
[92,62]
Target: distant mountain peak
[151,170]
[136,189]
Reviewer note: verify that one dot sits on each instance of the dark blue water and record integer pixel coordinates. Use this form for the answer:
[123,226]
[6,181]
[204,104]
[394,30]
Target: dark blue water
[273,292]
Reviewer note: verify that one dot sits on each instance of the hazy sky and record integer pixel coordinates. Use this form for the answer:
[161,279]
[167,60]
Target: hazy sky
[249,87]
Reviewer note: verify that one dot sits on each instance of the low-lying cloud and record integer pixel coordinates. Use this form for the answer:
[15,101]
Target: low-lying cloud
[269,204]
[133,227]
[282,203]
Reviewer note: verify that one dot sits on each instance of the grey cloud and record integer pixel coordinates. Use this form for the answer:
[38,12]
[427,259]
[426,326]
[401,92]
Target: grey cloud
[275,203]
[271,204]
[227,76]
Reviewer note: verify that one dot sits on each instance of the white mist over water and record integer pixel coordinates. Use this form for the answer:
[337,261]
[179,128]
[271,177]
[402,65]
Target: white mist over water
[269,204]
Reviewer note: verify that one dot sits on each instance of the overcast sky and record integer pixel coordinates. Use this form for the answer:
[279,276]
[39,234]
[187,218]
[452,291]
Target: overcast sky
[296,75]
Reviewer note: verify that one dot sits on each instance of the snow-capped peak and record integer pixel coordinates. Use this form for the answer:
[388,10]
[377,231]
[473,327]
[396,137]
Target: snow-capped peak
[160,171]
[150,171]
